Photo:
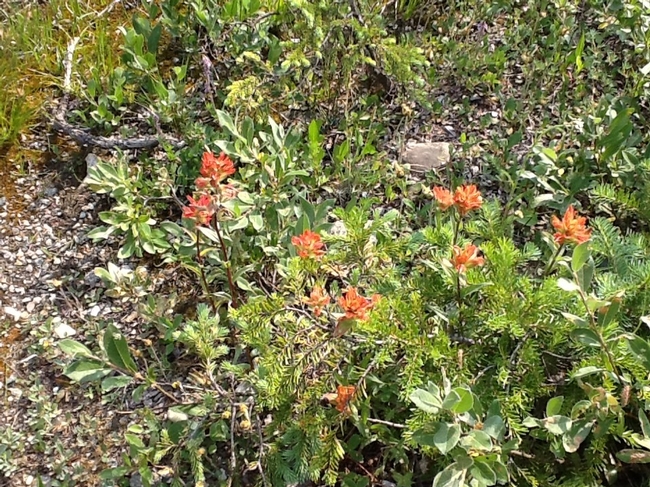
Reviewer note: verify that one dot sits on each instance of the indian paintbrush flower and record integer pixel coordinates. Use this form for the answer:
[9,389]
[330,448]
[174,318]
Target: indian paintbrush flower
[444,197]
[466,258]
[309,245]
[317,300]
[467,198]
[200,210]
[571,228]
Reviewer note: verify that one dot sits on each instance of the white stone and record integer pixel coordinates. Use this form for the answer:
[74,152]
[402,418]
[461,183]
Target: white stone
[63,330]
[426,156]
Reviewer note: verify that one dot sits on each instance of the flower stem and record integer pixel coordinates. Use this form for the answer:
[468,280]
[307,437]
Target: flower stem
[458,220]
[594,327]
[204,281]
[551,263]
[226,262]
[459,300]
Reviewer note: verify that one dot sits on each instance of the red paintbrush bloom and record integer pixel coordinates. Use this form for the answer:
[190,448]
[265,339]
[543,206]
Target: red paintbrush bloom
[571,228]
[467,198]
[200,210]
[466,258]
[216,169]
[356,307]
[309,245]
[444,197]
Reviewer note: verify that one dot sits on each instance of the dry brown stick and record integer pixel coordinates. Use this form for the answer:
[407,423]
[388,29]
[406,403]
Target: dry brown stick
[261,451]
[84,138]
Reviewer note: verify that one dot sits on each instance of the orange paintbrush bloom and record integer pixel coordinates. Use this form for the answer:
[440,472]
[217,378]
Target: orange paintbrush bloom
[216,169]
[466,258]
[571,228]
[356,307]
[309,245]
[200,210]
[343,396]
[467,198]
[317,300]
[443,196]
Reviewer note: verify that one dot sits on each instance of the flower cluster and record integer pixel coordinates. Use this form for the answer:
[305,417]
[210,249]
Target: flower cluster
[318,299]
[571,228]
[212,190]
[309,245]
[357,307]
[214,170]
[200,210]
[466,258]
[466,198]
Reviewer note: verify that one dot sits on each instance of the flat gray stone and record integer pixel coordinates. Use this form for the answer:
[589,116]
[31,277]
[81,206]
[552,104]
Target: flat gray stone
[91,161]
[426,156]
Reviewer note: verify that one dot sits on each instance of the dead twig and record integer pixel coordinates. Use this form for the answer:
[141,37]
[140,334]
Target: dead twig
[387,423]
[82,137]
[261,452]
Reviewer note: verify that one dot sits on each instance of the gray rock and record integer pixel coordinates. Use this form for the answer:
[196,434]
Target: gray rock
[91,279]
[136,480]
[426,156]
[91,161]
[50,192]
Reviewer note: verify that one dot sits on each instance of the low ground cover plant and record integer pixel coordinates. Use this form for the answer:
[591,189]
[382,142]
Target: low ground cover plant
[352,322]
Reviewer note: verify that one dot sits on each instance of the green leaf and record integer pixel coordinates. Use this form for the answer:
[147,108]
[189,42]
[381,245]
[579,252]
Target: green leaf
[482,472]
[645,424]
[101,233]
[154,39]
[585,275]
[495,427]
[557,425]
[580,256]
[426,401]
[257,221]
[586,336]
[237,224]
[576,320]
[172,229]
[554,405]
[641,350]
[610,314]
[467,291]
[117,349]
[641,441]
[226,122]
[579,408]
[133,440]
[113,473]
[634,456]
[568,286]
[116,382]
[424,437]
[459,400]
[83,371]
[446,437]
[501,471]
[452,476]
[74,348]
[585,371]
[572,439]
[531,422]
[477,440]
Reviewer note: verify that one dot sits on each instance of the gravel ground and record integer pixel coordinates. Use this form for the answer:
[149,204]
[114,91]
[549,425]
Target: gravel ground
[48,291]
